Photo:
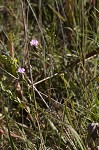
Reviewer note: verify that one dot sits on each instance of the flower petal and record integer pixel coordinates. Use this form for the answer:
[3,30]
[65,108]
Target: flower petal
[34,42]
[21,70]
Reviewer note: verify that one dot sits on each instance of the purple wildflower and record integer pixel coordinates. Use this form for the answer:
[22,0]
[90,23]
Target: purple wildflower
[34,42]
[21,70]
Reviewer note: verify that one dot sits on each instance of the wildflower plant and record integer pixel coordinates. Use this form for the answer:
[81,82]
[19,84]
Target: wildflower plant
[52,101]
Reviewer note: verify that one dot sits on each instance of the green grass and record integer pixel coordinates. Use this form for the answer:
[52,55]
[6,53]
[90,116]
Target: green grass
[51,104]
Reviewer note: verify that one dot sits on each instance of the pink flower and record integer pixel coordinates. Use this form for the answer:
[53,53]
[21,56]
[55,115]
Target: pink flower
[21,70]
[34,42]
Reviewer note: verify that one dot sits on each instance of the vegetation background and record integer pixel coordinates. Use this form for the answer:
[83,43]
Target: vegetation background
[49,106]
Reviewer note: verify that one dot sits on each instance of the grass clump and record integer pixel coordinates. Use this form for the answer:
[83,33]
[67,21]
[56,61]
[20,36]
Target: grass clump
[48,74]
